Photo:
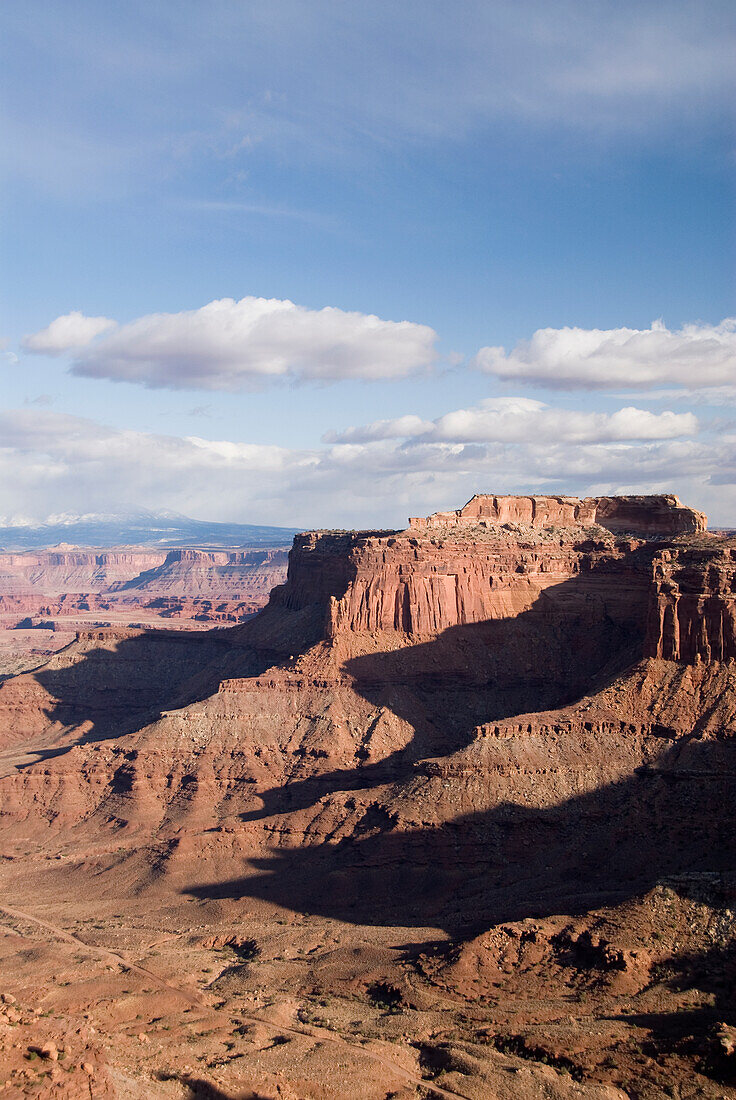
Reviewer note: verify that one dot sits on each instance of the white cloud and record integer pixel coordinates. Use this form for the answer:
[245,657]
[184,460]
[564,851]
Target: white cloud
[713,396]
[572,358]
[67,333]
[230,345]
[522,420]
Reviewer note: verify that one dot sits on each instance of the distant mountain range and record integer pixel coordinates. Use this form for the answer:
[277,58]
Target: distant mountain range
[164,529]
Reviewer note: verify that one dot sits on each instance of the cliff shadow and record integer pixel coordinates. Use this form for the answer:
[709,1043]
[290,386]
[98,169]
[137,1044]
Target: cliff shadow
[513,861]
[698,1032]
[576,637]
[123,684]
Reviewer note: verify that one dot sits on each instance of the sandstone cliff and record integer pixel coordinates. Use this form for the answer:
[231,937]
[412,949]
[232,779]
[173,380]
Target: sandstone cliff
[642,515]
[693,614]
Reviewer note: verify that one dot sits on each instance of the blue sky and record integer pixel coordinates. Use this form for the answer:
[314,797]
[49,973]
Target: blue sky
[478,171]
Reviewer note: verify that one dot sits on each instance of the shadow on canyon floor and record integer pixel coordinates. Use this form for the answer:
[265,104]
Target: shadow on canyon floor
[199,1088]
[695,1032]
[119,687]
[513,862]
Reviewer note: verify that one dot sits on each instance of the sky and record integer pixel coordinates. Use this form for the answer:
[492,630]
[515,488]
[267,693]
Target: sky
[323,263]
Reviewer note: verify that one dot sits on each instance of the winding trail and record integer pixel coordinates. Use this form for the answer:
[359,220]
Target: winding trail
[193,999]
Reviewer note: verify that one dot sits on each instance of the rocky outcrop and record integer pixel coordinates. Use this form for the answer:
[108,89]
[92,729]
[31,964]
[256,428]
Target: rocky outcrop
[421,585]
[642,515]
[693,605]
[652,516]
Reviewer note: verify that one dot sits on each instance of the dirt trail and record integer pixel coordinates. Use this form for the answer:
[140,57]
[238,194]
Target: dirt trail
[193,999]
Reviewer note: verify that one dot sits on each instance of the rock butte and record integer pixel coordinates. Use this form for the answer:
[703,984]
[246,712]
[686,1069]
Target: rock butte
[650,515]
[484,765]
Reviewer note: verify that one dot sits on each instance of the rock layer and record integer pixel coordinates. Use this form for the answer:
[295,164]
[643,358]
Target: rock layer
[228,574]
[693,613]
[643,515]
[70,590]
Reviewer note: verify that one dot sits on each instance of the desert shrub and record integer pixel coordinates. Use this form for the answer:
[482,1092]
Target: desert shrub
[385,996]
[245,950]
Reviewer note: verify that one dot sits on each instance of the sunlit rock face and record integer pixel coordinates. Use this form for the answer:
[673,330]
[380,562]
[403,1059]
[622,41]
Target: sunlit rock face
[643,515]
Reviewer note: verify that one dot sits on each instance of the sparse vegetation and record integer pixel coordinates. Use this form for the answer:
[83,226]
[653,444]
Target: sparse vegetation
[388,998]
[520,1047]
[244,950]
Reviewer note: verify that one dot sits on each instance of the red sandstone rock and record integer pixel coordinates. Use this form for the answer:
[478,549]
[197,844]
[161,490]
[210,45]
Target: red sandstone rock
[642,515]
[693,614]
[230,575]
[68,591]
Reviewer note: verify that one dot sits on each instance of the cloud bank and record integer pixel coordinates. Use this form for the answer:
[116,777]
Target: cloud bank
[52,462]
[236,345]
[576,358]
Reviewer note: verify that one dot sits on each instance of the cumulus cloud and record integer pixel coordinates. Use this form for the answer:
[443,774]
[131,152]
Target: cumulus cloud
[52,462]
[522,420]
[576,358]
[67,333]
[236,345]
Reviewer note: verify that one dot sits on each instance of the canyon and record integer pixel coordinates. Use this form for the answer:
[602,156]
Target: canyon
[450,816]
[47,596]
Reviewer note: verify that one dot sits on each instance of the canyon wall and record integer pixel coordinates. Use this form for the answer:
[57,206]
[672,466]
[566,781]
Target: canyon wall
[57,572]
[193,573]
[48,596]
[229,574]
[422,584]
[692,612]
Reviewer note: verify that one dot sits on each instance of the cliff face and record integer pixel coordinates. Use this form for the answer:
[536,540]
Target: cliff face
[550,558]
[57,572]
[229,574]
[244,574]
[693,609]
[421,586]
